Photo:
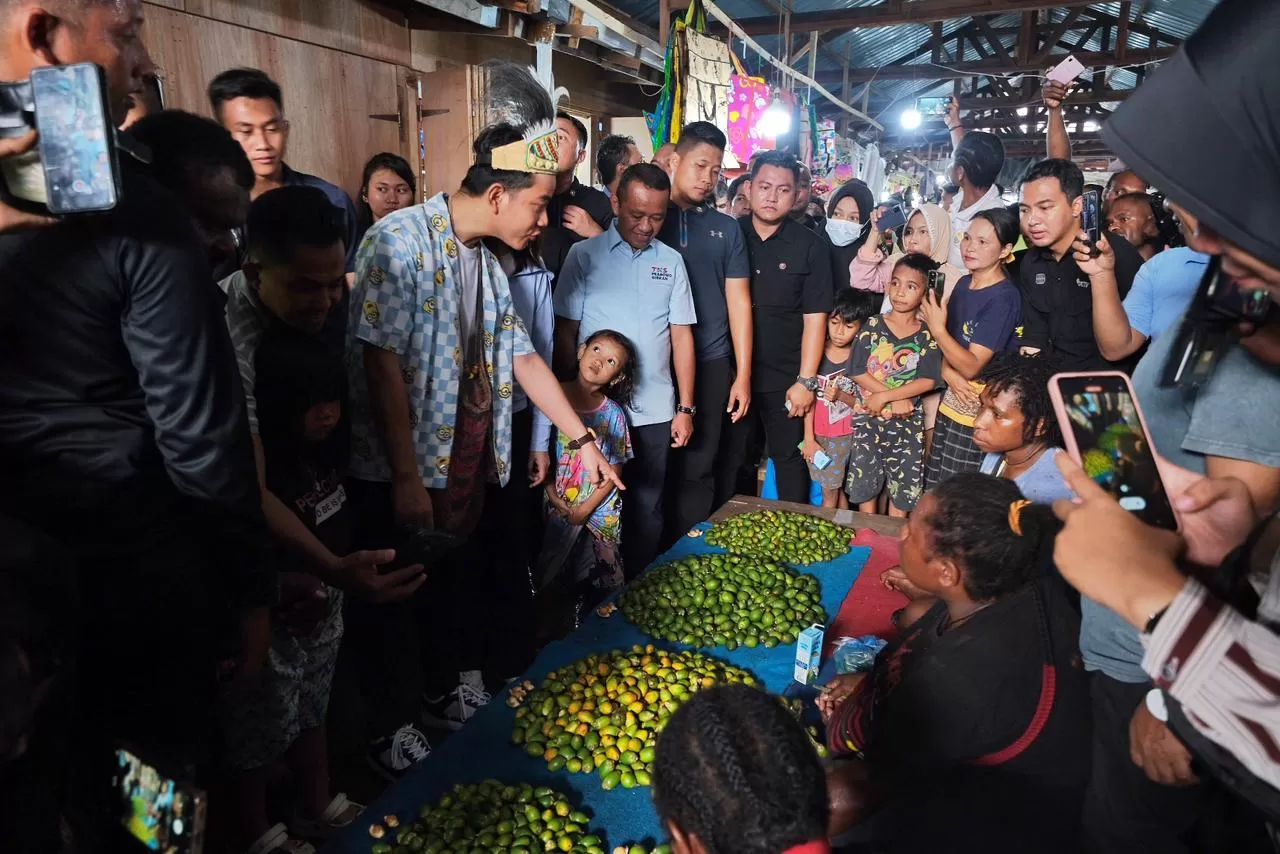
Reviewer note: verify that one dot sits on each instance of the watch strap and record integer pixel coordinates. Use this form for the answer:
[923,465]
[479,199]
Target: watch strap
[582,441]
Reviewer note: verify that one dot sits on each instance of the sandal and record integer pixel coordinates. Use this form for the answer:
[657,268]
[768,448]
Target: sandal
[338,814]
[277,841]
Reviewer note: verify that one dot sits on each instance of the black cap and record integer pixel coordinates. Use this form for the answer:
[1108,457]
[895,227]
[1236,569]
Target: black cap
[1205,128]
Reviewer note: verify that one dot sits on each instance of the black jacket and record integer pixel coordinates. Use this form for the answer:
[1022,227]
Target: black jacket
[1057,304]
[121,410]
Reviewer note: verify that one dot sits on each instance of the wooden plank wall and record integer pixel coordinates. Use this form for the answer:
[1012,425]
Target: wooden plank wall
[328,91]
[338,62]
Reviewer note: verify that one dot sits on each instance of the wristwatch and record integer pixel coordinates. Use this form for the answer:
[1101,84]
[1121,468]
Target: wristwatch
[687,410]
[810,383]
[1156,705]
[586,439]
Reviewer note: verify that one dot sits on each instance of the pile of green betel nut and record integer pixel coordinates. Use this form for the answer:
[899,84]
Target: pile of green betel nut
[494,816]
[780,536]
[603,713]
[723,600]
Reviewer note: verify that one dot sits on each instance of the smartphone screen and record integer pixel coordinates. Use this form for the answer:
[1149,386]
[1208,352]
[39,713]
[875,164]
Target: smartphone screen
[1112,444]
[77,138]
[1091,215]
[933,106]
[157,811]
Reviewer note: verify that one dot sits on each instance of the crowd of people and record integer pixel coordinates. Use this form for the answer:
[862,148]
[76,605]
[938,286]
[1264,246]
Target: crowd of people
[263,445]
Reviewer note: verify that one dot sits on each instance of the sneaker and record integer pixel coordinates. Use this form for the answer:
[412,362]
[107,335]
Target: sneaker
[452,710]
[393,755]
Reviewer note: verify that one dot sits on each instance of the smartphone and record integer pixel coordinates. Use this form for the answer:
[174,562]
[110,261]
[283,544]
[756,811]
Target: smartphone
[77,138]
[892,218]
[1066,71]
[1103,430]
[933,106]
[820,459]
[156,811]
[1209,327]
[937,283]
[1091,218]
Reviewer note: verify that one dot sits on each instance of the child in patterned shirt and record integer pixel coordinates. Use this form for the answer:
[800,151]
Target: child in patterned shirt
[581,546]
[895,360]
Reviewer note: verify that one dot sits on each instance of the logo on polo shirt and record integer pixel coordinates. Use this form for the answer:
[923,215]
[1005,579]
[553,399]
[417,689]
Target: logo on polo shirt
[1082,283]
[1040,278]
[719,234]
[660,273]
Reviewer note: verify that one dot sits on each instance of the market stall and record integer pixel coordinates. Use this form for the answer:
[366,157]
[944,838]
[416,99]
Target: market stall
[484,749]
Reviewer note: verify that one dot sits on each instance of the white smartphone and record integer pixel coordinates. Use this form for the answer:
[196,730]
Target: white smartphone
[1066,71]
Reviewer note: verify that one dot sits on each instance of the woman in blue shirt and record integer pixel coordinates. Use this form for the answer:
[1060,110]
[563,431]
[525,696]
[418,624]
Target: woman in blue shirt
[1016,427]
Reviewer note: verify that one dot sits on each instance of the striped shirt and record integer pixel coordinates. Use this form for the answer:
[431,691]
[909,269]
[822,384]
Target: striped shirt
[1225,671]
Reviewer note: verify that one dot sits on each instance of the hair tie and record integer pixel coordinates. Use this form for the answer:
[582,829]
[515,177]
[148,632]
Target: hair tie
[1015,515]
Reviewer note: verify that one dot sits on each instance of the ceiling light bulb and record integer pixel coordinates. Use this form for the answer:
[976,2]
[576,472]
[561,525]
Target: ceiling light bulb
[776,120]
[911,118]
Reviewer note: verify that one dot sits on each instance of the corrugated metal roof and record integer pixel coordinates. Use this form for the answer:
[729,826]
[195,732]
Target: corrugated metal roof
[879,46]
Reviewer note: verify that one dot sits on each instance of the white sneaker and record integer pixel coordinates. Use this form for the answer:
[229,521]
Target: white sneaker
[451,711]
[393,755]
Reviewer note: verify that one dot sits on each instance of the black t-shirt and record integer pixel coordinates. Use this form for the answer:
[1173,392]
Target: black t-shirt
[296,372]
[790,277]
[556,239]
[1057,303]
[712,247]
[995,704]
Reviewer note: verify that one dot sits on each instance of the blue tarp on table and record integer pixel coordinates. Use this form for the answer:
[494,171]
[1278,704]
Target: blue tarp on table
[483,749]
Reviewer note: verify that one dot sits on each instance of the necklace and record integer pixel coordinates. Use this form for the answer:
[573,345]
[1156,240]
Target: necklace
[949,623]
[1007,463]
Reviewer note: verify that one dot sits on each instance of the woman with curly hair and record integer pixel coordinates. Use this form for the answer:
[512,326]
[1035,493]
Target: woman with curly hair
[977,715]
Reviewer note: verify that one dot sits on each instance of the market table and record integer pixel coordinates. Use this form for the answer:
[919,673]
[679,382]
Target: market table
[483,749]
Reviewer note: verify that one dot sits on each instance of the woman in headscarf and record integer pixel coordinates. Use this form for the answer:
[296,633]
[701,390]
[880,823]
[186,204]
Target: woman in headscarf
[928,230]
[848,220]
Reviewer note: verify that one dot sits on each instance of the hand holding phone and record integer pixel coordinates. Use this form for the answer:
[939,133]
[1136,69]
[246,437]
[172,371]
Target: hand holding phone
[1091,217]
[892,217]
[156,810]
[1104,431]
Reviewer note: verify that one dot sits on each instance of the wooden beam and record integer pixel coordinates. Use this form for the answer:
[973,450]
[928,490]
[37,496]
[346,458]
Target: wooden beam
[1053,36]
[1122,38]
[935,43]
[888,14]
[1027,38]
[927,71]
[984,26]
[1100,96]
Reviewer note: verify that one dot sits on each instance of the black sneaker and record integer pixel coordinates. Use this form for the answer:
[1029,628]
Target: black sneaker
[452,710]
[391,756]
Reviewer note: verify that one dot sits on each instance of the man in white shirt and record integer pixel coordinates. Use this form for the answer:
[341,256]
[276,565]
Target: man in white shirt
[976,164]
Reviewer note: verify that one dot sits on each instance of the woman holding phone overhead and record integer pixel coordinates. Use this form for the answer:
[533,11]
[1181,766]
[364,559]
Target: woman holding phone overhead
[979,319]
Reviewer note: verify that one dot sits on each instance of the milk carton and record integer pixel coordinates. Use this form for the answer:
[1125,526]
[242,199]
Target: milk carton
[809,655]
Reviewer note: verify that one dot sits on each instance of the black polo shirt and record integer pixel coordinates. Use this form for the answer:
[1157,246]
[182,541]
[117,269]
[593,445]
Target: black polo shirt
[712,247]
[1057,304]
[556,239]
[790,277]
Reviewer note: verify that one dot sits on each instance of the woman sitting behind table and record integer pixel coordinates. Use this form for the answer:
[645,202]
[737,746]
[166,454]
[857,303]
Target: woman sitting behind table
[734,773]
[977,716]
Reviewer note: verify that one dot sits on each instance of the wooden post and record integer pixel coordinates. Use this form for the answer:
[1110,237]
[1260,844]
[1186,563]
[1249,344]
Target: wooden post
[1027,45]
[1122,39]
[664,23]
[844,89]
[936,56]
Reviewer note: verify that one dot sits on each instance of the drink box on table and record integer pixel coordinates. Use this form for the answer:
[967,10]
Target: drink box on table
[809,655]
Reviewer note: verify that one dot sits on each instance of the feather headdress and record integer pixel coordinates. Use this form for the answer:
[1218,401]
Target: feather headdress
[521,97]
